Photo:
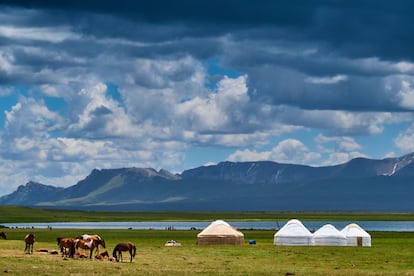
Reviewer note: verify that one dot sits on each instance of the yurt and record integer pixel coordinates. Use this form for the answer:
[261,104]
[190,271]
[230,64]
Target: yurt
[220,232]
[328,235]
[293,233]
[356,236]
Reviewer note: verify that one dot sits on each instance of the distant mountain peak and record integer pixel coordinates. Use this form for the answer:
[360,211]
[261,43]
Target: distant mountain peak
[30,193]
[144,172]
[168,174]
[360,184]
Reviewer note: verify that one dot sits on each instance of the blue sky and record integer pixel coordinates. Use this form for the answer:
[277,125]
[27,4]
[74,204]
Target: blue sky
[181,84]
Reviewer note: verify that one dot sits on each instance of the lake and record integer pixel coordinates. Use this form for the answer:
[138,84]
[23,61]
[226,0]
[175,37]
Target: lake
[395,226]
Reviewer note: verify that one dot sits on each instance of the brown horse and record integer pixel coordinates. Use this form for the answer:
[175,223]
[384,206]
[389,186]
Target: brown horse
[102,255]
[89,245]
[67,246]
[3,235]
[124,246]
[29,239]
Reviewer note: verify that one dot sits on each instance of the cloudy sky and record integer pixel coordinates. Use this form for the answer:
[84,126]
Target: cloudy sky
[180,84]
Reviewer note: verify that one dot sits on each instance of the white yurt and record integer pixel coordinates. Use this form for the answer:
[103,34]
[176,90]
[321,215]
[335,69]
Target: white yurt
[356,236]
[328,235]
[220,232]
[293,233]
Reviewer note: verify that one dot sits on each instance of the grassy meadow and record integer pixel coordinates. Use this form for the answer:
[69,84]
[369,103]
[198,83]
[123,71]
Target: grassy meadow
[24,214]
[392,253]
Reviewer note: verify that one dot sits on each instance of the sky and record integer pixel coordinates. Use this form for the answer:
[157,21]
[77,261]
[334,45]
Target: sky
[180,84]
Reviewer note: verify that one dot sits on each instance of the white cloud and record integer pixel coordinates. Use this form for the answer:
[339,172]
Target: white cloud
[293,151]
[12,176]
[30,117]
[287,151]
[154,88]
[50,90]
[49,34]
[405,140]
[233,140]
[389,155]
[404,66]
[340,143]
[406,95]
[338,149]
[335,158]
[217,111]
[339,122]
[101,116]
[326,80]
[6,91]
[249,155]
[6,61]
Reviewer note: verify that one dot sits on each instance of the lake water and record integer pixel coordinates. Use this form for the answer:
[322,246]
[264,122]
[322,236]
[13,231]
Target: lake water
[397,226]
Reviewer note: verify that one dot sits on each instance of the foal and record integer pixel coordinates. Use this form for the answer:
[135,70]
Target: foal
[101,256]
[3,235]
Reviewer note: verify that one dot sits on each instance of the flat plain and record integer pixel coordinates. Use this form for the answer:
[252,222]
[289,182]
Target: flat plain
[392,253]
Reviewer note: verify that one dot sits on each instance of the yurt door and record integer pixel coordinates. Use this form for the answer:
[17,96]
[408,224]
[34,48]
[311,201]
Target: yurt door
[359,241]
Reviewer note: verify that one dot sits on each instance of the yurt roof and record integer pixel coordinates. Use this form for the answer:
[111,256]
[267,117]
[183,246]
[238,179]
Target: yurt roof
[293,228]
[354,230]
[328,230]
[220,227]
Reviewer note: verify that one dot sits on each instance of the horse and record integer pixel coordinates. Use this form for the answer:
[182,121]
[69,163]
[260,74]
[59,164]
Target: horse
[88,236]
[67,246]
[29,239]
[89,245]
[124,246]
[81,255]
[102,255]
[93,237]
[3,235]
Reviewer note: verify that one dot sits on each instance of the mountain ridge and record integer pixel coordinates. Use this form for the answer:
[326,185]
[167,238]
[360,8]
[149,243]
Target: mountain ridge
[359,184]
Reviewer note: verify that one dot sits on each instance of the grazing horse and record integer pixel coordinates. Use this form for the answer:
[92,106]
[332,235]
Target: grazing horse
[67,246]
[89,245]
[124,246]
[29,239]
[3,235]
[93,237]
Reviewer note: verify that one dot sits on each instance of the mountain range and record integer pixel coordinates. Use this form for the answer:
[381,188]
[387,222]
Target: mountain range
[358,185]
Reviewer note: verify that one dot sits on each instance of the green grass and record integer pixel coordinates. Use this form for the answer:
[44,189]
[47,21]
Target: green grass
[391,254]
[23,214]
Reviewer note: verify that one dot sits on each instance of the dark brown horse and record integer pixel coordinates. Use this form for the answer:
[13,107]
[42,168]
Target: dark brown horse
[29,239]
[3,235]
[67,246]
[124,246]
[89,244]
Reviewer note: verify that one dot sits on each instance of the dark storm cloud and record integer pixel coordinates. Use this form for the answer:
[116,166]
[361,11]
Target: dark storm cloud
[277,86]
[214,11]
[279,45]
[352,28]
